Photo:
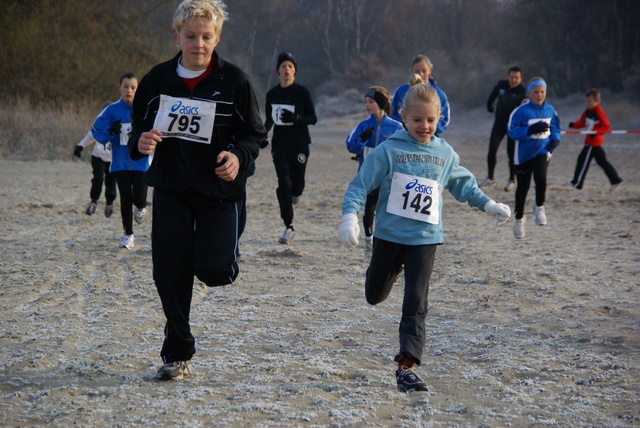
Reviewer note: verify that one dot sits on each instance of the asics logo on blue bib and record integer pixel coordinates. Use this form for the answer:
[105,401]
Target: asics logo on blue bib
[183,108]
[419,188]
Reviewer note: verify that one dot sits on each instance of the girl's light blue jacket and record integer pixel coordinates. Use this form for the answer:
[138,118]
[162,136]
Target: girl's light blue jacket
[403,154]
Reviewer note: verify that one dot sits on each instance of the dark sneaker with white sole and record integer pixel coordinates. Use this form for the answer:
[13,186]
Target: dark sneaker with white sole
[409,381]
[175,370]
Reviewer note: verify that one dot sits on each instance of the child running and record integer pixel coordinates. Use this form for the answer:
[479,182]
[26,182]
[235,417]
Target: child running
[365,137]
[198,114]
[535,127]
[594,119]
[412,168]
[112,126]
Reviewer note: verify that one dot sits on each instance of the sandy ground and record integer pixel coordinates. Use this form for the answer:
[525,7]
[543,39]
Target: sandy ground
[535,332]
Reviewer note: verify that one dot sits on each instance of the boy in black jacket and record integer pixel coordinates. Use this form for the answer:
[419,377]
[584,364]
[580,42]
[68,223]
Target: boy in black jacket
[198,116]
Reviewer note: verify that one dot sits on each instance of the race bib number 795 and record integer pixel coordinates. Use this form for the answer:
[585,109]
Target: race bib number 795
[413,197]
[186,119]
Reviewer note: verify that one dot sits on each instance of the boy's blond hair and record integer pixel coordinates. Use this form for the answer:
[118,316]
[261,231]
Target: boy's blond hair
[215,10]
[594,94]
[420,92]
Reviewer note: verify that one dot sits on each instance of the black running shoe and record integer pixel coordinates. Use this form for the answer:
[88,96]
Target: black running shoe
[409,381]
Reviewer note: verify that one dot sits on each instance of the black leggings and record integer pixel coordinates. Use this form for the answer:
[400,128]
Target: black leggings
[102,175]
[370,211]
[290,169]
[387,261]
[498,132]
[133,191]
[536,167]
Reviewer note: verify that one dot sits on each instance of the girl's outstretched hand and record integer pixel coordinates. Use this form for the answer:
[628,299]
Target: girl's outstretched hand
[500,212]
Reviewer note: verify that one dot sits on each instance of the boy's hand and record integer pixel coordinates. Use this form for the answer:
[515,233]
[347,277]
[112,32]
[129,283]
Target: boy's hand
[349,230]
[228,171]
[77,152]
[570,124]
[115,128]
[148,141]
[500,212]
[287,116]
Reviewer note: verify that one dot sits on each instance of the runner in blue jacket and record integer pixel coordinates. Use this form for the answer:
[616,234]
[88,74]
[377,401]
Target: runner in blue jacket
[365,137]
[535,128]
[423,66]
[112,127]
[411,168]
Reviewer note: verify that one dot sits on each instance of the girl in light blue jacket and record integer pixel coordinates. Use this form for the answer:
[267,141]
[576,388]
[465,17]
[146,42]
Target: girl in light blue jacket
[412,168]
[367,136]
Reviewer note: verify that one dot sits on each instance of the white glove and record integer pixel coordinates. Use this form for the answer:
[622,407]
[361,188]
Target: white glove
[349,230]
[500,212]
[549,156]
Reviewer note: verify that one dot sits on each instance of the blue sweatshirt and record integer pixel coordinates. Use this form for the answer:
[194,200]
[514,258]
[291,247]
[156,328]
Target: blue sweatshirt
[530,146]
[381,131]
[411,177]
[445,111]
[120,160]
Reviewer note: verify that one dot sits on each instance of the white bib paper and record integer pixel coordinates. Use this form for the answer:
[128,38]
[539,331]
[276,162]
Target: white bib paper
[125,132]
[413,197]
[187,119]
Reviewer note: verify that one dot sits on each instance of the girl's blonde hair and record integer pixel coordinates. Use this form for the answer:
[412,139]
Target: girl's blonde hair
[420,92]
[215,10]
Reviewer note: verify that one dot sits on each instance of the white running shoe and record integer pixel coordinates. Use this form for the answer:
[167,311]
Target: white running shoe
[510,186]
[139,214]
[287,236]
[541,217]
[127,242]
[487,182]
[614,187]
[518,228]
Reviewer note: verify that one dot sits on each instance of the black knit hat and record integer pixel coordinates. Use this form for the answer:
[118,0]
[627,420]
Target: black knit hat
[287,56]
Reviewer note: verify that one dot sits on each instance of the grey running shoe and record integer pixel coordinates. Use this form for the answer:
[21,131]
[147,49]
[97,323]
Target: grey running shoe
[108,210]
[139,215]
[295,199]
[175,370]
[487,182]
[409,381]
[127,242]
[91,208]
[510,186]
[287,236]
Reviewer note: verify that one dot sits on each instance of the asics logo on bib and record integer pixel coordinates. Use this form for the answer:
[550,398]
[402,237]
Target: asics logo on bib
[184,109]
[419,188]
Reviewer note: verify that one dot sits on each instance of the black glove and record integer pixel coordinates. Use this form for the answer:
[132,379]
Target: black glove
[570,124]
[77,152]
[552,145]
[355,158]
[115,128]
[264,143]
[537,128]
[490,108]
[366,134]
[287,116]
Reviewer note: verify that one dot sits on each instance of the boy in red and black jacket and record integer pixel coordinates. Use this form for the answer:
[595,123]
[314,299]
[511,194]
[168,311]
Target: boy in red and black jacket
[594,119]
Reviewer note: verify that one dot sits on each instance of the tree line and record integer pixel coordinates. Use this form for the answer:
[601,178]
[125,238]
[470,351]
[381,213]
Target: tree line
[75,50]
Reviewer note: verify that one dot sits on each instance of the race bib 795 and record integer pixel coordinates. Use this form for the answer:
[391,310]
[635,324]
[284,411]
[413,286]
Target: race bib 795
[186,119]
